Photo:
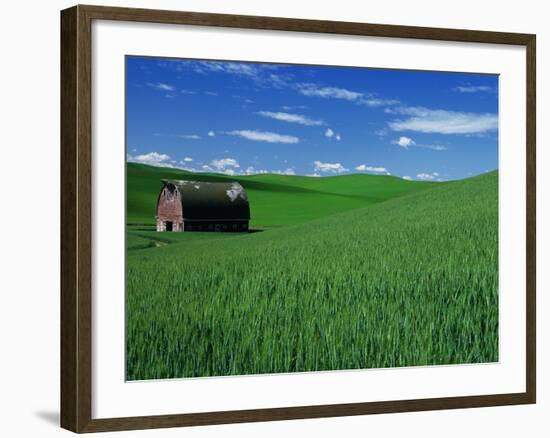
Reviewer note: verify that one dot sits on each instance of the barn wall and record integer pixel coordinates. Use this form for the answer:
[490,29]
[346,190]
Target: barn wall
[169,210]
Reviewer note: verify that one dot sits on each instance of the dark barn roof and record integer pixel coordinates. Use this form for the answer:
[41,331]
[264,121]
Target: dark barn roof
[211,200]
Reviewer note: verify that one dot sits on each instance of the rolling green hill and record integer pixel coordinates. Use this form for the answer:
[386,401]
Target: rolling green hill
[406,282]
[275,200]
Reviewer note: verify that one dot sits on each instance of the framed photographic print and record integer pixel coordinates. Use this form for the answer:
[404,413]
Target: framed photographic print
[268,219]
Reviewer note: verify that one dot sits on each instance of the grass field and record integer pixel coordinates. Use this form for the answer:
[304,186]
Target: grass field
[368,272]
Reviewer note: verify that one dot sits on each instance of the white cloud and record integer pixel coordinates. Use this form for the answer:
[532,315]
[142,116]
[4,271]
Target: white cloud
[188,92]
[269,137]
[289,107]
[152,158]
[161,86]
[329,167]
[433,147]
[250,170]
[329,133]
[427,176]
[316,175]
[291,118]
[210,93]
[404,142]
[211,133]
[191,136]
[309,89]
[226,67]
[288,171]
[472,88]
[224,163]
[443,122]
[261,74]
[365,168]
[408,178]
[376,102]
[338,137]
[188,159]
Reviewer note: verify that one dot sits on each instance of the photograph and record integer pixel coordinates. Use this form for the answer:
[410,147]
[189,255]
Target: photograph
[293,218]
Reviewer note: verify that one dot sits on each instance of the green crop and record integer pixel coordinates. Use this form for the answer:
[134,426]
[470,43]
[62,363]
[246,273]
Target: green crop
[404,275]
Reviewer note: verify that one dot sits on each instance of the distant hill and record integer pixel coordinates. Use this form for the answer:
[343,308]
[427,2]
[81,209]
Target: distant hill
[275,200]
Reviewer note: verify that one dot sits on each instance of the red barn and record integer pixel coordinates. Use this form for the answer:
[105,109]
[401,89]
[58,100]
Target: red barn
[202,206]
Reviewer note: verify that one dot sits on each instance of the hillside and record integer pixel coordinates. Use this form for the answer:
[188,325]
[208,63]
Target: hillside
[275,200]
[410,281]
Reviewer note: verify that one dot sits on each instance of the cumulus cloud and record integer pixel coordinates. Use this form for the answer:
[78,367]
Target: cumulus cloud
[288,171]
[191,136]
[211,133]
[366,168]
[188,159]
[408,178]
[426,120]
[223,164]
[427,176]
[269,137]
[404,142]
[291,118]
[329,167]
[250,170]
[152,158]
[330,134]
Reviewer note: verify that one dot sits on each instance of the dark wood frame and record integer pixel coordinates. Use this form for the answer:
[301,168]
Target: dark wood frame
[76,221]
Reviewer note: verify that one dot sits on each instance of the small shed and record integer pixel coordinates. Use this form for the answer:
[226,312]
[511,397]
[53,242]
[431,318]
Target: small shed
[202,206]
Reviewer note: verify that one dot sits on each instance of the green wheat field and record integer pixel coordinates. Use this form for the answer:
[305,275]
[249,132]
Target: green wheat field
[348,272]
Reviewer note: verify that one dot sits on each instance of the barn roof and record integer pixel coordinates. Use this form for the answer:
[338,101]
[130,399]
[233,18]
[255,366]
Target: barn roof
[211,200]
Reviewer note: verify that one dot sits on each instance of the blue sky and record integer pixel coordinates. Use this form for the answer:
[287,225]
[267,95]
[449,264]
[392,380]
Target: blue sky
[249,118]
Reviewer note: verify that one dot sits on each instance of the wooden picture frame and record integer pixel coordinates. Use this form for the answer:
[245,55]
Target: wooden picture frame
[76,218]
